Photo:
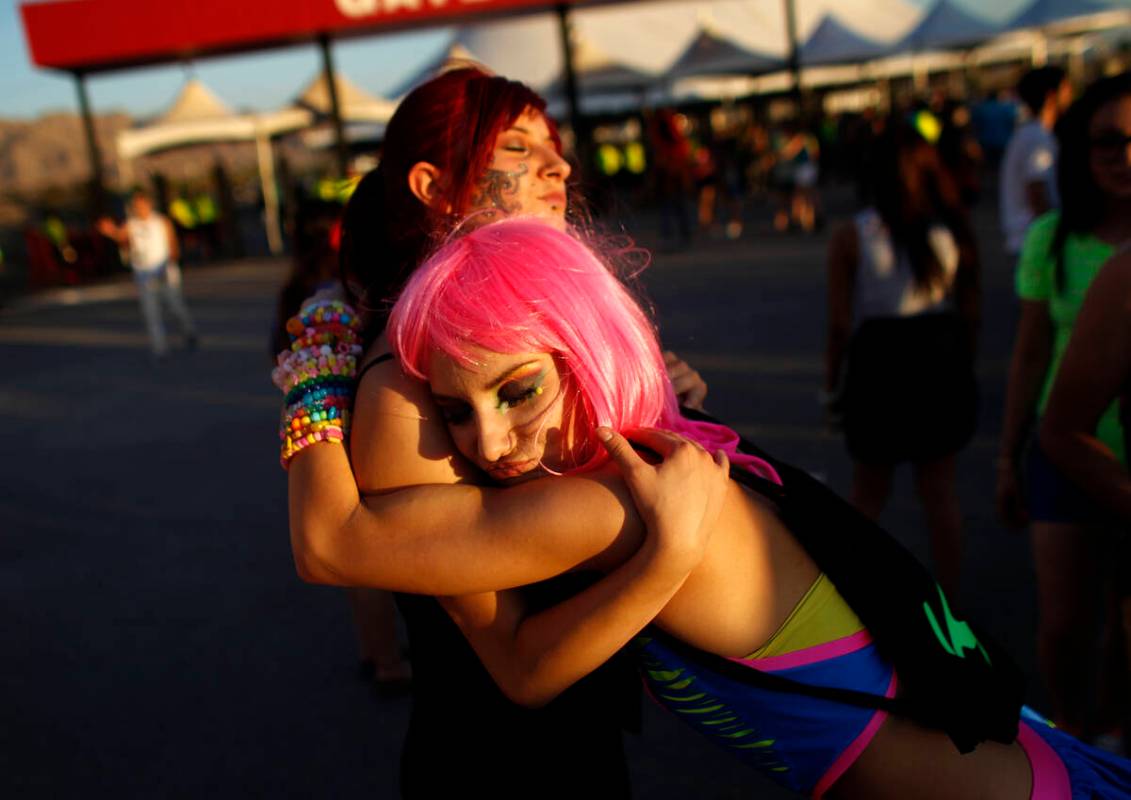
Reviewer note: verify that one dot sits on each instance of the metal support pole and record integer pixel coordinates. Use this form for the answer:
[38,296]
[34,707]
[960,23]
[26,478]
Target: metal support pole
[580,134]
[266,159]
[1039,50]
[97,198]
[793,59]
[335,107]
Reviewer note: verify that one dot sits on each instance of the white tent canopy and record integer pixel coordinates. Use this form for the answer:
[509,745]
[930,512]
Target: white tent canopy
[198,116]
[194,103]
[653,36]
[736,37]
[355,104]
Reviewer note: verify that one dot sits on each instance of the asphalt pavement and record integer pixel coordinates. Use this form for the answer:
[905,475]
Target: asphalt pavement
[156,641]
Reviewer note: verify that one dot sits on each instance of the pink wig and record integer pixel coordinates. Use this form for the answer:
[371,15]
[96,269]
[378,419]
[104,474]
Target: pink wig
[519,286]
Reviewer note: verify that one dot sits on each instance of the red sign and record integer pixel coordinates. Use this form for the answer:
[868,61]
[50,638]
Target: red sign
[94,35]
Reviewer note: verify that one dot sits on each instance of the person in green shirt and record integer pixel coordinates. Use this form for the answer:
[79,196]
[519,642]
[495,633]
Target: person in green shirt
[1062,253]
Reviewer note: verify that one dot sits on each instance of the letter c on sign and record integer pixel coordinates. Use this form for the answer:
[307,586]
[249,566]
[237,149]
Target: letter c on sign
[356,8]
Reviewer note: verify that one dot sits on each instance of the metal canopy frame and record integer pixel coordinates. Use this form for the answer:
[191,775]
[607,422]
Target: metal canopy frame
[84,37]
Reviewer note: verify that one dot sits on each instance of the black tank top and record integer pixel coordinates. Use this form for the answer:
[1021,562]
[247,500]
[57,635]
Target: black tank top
[465,738]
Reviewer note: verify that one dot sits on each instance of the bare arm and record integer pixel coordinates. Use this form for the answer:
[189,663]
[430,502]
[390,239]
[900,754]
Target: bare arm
[1032,353]
[438,536]
[534,658]
[842,260]
[968,279]
[1095,370]
[111,230]
[690,388]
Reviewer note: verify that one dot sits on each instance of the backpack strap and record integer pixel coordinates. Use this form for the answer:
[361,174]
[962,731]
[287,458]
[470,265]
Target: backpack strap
[751,676]
[953,677]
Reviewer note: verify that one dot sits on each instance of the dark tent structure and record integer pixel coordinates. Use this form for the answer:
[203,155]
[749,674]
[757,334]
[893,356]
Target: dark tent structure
[710,54]
[946,27]
[832,42]
[1047,12]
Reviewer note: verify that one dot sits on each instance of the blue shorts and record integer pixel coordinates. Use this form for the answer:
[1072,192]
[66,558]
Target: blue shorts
[1067,769]
[1051,497]
[802,742]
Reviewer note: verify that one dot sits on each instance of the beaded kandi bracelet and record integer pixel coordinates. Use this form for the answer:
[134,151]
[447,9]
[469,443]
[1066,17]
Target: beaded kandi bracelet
[316,376]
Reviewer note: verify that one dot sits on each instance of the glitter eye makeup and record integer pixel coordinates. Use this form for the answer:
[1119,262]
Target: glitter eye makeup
[519,390]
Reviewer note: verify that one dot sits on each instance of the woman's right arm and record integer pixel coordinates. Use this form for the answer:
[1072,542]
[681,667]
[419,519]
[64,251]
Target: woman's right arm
[1029,364]
[1096,368]
[412,528]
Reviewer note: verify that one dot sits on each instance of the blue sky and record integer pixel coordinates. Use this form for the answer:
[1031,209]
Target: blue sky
[263,80]
[260,81]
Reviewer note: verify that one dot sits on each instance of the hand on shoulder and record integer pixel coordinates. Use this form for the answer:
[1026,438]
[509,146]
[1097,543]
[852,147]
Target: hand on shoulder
[680,497]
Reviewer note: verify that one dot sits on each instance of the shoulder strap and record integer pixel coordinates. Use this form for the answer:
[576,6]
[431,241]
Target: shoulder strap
[381,359]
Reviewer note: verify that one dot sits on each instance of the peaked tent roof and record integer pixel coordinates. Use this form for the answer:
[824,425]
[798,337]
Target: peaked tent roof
[1044,12]
[451,57]
[833,42]
[194,102]
[198,115]
[711,54]
[944,26]
[355,103]
[597,72]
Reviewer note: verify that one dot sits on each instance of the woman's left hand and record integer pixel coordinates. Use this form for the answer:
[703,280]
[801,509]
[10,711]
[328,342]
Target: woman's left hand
[689,385]
[679,498]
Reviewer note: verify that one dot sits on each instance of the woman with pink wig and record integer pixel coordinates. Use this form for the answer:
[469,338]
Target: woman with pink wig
[404,511]
[537,358]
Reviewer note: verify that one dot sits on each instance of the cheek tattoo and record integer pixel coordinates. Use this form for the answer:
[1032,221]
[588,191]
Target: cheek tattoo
[496,185]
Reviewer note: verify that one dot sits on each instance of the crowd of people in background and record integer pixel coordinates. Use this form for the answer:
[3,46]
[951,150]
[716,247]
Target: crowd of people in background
[709,170]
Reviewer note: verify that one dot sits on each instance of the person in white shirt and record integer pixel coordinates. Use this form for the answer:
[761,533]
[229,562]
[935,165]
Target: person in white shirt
[1028,170]
[152,244]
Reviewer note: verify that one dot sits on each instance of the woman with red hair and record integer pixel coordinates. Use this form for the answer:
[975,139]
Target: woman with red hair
[413,516]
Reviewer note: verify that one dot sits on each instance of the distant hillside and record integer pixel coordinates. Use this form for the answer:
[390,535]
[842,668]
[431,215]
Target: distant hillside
[51,150]
[46,158]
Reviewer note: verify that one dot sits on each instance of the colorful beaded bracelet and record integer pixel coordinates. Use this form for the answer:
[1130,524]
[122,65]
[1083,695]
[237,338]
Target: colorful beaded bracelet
[294,422]
[337,336]
[328,382]
[316,376]
[322,313]
[300,370]
[291,447]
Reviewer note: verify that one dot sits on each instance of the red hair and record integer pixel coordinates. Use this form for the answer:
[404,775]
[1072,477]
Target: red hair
[451,122]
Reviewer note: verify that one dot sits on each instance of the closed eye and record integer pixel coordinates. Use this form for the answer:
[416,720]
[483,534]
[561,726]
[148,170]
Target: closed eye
[515,398]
